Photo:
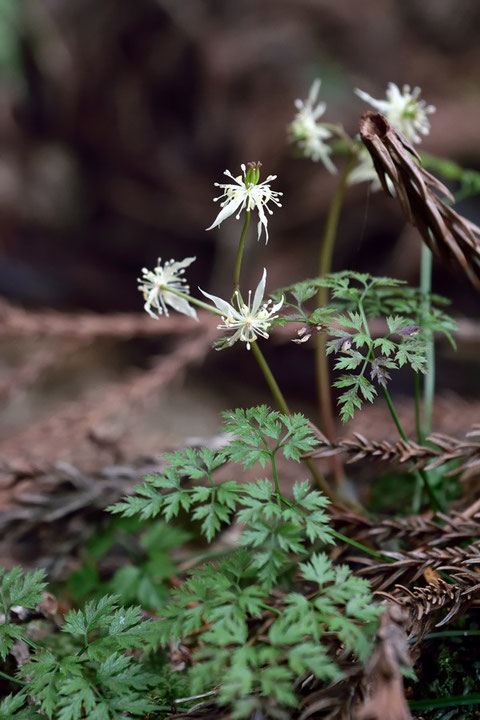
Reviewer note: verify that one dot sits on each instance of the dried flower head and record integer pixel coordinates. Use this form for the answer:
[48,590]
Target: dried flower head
[409,330]
[305,333]
[309,134]
[343,344]
[378,370]
[448,234]
[403,109]
[247,193]
[250,320]
[156,284]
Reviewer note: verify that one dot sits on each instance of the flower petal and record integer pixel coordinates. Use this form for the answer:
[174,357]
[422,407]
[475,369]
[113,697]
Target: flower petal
[227,210]
[182,263]
[314,92]
[277,306]
[222,305]
[262,220]
[259,293]
[179,304]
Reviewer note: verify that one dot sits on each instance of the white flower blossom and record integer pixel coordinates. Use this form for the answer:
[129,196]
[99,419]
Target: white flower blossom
[248,321]
[246,194]
[155,285]
[308,133]
[403,109]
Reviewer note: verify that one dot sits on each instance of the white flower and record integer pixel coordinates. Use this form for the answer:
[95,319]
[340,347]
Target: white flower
[250,320]
[308,133]
[246,194]
[155,285]
[404,110]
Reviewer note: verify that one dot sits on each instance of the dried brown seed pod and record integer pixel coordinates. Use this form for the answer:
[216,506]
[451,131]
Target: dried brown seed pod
[448,234]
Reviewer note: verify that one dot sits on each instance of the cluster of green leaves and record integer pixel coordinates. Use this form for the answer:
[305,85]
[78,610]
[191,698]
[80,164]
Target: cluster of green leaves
[227,602]
[17,589]
[274,527]
[91,675]
[259,659]
[357,297]
[274,609]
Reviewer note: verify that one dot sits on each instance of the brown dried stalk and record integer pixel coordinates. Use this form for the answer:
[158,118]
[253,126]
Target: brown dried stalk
[424,604]
[426,457]
[447,234]
[411,565]
[415,530]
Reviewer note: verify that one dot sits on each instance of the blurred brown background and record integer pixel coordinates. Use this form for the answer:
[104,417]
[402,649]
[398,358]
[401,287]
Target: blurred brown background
[116,118]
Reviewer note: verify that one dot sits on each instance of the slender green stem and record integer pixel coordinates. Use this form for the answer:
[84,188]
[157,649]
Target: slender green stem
[417,492]
[270,608]
[194,301]
[321,482]
[393,413]
[270,380]
[238,261]
[429,382]
[451,701]
[282,404]
[345,539]
[418,415]
[275,478]
[324,393]
[363,548]
[331,226]
[11,679]
[448,634]
[419,475]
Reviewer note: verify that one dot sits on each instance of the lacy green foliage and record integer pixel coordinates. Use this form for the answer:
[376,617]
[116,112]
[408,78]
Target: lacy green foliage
[17,589]
[320,607]
[14,706]
[367,360]
[254,622]
[253,668]
[98,680]
[274,526]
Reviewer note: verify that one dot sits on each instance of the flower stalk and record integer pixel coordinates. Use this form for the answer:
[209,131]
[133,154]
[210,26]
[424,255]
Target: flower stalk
[429,380]
[324,268]
[419,475]
[282,405]
[270,379]
[238,261]
[194,301]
